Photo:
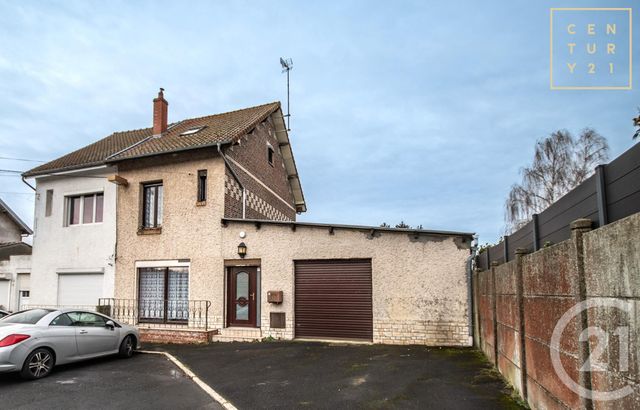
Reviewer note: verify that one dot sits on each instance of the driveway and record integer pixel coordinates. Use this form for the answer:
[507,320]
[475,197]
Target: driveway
[143,382]
[331,376]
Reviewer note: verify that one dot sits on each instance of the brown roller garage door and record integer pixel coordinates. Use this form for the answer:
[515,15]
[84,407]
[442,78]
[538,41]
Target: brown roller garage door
[333,299]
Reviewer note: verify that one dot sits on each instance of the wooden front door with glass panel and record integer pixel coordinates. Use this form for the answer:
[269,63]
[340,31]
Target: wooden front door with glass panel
[241,296]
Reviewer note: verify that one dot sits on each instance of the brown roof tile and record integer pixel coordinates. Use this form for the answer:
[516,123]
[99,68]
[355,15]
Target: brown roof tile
[219,128]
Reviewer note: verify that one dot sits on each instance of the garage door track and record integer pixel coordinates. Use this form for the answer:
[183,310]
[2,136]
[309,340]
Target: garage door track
[335,375]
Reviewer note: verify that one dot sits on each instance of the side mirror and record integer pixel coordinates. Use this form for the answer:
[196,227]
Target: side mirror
[110,325]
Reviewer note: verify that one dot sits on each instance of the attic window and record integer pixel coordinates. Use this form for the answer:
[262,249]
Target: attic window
[191,131]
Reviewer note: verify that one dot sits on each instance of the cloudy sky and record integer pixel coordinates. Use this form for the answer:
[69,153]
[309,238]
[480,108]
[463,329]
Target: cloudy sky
[416,111]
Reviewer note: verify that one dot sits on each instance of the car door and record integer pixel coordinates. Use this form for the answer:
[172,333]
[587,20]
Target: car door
[93,337]
[61,335]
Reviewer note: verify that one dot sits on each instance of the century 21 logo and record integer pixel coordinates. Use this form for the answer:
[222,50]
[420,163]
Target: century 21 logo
[590,48]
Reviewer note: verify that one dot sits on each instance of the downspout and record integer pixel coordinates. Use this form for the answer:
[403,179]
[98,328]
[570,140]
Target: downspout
[28,184]
[470,301]
[235,176]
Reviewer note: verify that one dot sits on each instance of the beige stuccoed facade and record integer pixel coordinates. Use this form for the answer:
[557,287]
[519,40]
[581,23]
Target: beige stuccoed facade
[419,284]
[190,232]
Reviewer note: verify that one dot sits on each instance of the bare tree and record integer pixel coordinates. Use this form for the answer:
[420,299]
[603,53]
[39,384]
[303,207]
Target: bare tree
[560,163]
[636,123]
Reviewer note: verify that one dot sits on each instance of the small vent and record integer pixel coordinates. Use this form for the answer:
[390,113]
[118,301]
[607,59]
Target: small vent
[277,320]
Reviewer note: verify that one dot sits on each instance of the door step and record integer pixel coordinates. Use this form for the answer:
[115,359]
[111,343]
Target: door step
[238,334]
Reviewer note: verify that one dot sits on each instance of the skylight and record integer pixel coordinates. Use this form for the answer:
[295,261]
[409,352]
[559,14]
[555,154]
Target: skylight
[192,131]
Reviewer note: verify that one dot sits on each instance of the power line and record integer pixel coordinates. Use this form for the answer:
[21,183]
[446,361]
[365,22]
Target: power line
[11,170]
[22,159]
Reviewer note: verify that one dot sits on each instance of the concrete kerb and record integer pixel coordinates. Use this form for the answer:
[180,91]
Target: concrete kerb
[204,386]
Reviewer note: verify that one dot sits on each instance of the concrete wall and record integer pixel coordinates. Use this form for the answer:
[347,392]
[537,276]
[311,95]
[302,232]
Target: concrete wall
[419,285]
[9,231]
[76,248]
[519,304]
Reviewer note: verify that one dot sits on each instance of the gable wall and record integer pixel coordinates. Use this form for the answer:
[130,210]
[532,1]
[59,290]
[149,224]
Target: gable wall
[274,203]
[9,231]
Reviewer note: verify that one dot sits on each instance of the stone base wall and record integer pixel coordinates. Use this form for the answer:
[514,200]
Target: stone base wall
[176,336]
[418,332]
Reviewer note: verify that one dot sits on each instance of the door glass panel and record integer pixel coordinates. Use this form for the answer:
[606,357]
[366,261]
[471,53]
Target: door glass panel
[151,303]
[178,294]
[242,296]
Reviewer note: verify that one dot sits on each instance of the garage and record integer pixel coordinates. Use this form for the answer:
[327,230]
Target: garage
[4,294]
[333,299]
[80,289]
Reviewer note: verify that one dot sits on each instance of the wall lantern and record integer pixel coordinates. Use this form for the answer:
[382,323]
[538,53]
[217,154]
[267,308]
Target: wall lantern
[242,250]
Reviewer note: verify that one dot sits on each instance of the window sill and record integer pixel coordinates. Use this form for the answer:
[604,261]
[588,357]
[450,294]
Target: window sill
[149,231]
[201,203]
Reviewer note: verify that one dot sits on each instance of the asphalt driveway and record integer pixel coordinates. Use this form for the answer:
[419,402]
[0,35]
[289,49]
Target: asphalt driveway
[143,382]
[320,375]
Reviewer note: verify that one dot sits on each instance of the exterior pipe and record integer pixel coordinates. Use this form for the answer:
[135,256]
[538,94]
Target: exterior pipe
[469,266]
[28,184]
[235,176]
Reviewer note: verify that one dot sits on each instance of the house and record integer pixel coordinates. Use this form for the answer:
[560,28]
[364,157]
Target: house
[15,259]
[208,246]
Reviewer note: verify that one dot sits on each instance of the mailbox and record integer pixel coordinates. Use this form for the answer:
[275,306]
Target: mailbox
[274,296]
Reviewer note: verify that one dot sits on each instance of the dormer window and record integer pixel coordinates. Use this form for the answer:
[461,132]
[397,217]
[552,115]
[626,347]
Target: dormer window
[192,131]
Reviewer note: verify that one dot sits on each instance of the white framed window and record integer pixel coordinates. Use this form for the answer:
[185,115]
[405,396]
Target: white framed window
[84,209]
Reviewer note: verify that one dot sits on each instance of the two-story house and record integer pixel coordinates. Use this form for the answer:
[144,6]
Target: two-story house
[15,259]
[207,245]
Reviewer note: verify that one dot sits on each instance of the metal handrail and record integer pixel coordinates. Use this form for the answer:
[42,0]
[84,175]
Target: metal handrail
[164,313]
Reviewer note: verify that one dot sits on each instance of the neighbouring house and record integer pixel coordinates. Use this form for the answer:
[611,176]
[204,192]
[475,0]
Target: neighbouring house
[208,246]
[15,259]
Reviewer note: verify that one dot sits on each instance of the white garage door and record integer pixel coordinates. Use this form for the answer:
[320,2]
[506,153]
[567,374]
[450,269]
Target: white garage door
[4,294]
[79,289]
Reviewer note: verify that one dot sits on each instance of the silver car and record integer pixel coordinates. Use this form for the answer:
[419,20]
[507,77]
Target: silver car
[33,341]
[4,313]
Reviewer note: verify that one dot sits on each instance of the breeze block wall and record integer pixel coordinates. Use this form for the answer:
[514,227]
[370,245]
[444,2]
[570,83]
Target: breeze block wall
[518,305]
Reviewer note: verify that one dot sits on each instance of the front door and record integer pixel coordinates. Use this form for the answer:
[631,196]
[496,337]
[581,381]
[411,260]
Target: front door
[241,295]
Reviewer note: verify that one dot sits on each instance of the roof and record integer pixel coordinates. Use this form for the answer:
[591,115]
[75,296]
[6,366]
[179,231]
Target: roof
[8,249]
[215,129]
[352,227]
[222,129]
[16,219]
[219,128]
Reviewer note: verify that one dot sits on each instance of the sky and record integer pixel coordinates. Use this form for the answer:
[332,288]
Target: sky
[420,111]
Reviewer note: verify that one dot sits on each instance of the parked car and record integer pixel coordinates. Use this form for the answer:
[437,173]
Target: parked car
[4,313]
[33,341]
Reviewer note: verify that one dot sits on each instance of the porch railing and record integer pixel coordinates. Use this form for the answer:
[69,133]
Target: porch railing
[163,313]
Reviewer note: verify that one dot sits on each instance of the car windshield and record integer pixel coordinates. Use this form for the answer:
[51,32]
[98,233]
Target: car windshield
[27,317]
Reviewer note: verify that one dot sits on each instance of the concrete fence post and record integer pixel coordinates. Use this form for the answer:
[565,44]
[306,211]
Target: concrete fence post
[578,229]
[494,312]
[520,252]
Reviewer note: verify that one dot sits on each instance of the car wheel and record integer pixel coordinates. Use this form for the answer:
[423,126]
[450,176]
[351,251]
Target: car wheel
[126,347]
[38,364]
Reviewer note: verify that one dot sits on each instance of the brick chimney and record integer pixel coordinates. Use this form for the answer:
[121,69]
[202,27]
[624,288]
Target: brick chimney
[160,110]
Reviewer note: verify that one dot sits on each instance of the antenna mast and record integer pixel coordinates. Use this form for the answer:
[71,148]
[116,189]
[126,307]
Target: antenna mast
[287,65]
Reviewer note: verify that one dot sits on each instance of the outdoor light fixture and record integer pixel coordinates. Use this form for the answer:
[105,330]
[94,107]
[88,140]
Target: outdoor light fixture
[242,250]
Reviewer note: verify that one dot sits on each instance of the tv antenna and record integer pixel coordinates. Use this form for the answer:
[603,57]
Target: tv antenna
[287,65]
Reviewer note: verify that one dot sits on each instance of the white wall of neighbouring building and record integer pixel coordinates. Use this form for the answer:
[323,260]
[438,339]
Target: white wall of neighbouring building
[14,277]
[83,249]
